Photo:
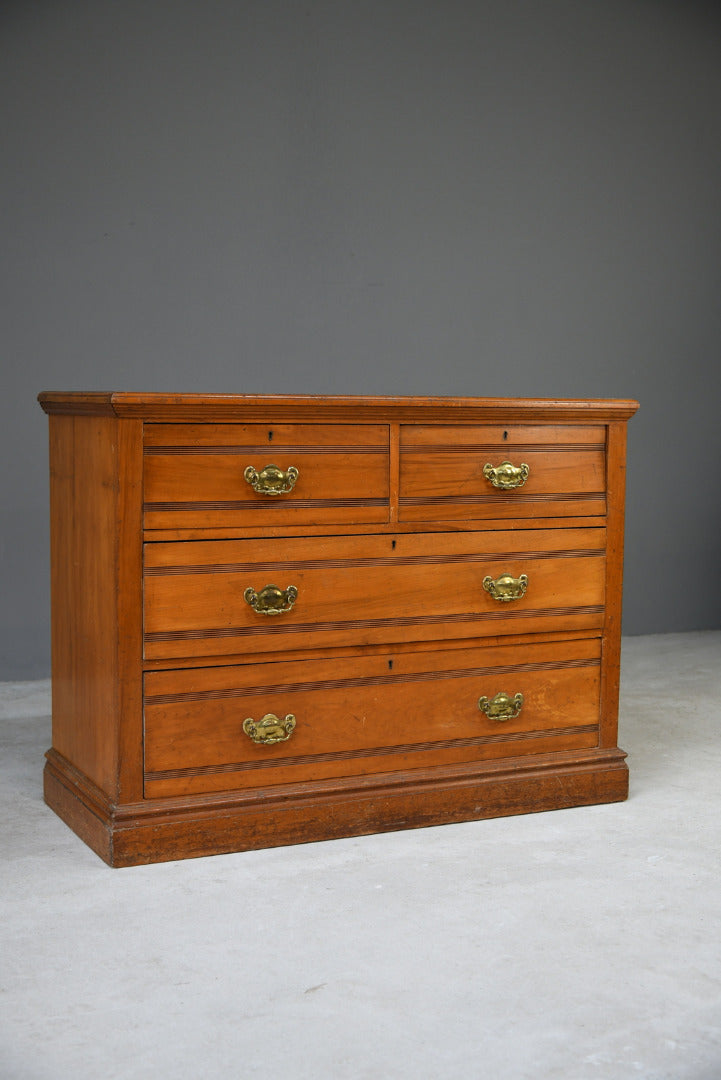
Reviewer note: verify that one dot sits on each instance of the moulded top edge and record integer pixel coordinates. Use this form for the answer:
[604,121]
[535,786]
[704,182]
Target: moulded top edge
[312,407]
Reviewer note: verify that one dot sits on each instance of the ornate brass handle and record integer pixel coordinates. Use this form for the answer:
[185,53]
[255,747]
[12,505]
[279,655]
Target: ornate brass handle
[506,588]
[270,729]
[506,476]
[502,706]
[271,600]
[271,480]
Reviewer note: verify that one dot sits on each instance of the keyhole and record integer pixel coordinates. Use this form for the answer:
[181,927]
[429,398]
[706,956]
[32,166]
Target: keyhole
[390,665]
[393,545]
[505,434]
[270,436]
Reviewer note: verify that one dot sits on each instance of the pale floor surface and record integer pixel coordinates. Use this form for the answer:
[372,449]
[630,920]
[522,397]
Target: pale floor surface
[582,944]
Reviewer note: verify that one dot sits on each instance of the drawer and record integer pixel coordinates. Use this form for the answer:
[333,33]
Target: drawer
[351,591]
[197,475]
[366,714]
[559,472]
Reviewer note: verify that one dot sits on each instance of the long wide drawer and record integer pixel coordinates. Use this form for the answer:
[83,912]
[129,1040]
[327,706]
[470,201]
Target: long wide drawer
[489,471]
[366,714]
[212,598]
[223,475]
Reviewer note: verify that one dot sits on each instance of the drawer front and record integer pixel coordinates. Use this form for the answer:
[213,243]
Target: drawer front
[350,591]
[366,714]
[195,475]
[558,472]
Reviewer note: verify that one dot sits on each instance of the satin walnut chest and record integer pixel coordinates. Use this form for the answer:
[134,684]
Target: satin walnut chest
[288,619]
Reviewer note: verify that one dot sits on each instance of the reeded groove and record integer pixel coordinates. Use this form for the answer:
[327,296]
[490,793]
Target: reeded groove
[264,506]
[380,448]
[370,680]
[362,624]
[380,560]
[375,751]
[504,448]
[514,497]
[265,449]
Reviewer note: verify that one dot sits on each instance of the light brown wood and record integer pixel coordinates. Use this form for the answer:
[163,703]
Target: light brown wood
[442,472]
[388,535]
[96,599]
[129,634]
[393,526]
[372,649]
[307,408]
[369,589]
[394,462]
[156,830]
[194,474]
[362,714]
[614,572]
[264,439]
[502,440]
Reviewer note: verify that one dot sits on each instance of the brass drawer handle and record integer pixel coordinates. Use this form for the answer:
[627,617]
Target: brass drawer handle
[271,600]
[271,480]
[271,729]
[506,476]
[502,706]
[506,588]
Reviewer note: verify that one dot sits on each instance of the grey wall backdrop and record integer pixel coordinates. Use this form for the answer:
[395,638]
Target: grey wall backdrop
[519,197]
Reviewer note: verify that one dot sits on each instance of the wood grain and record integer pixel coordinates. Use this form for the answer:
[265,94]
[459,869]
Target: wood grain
[156,830]
[194,474]
[311,408]
[412,710]
[391,642]
[614,571]
[96,615]
[371,589]
[442,471]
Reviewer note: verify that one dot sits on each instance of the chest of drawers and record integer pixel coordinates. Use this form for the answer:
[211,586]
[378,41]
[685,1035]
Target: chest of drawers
[286,619]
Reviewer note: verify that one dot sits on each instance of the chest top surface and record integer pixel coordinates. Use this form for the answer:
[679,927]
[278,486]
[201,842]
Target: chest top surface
[356,409]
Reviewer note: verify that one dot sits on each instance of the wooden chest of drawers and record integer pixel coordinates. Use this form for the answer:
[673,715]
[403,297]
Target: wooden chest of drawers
[284,619]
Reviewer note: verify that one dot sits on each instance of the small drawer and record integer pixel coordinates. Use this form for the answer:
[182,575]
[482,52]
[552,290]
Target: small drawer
[213,597]
[492,472]
[217,475]
[366,714]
